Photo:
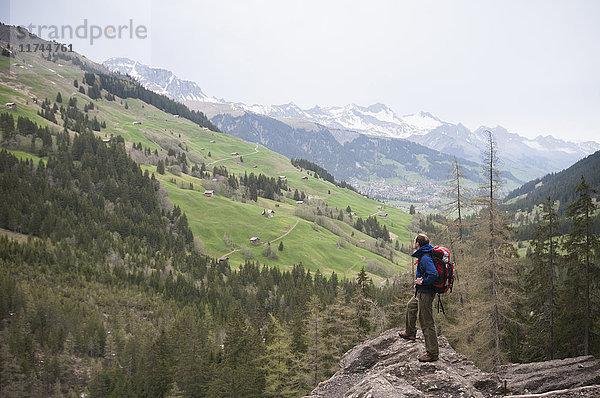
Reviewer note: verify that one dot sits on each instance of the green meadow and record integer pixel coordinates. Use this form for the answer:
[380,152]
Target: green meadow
[224,226]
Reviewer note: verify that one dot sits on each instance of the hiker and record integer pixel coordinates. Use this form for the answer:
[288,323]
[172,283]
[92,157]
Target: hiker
[421,303]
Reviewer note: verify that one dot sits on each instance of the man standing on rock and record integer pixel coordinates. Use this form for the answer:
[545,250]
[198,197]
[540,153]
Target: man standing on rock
[421,303]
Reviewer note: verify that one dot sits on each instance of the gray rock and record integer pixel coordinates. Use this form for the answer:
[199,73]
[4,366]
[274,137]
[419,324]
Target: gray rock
[386,366]
[559,374]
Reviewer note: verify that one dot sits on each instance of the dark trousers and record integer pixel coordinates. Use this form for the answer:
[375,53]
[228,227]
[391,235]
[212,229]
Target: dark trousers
[421,306]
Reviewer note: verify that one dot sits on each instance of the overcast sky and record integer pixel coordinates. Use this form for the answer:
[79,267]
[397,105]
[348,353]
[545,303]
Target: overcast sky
[530,66]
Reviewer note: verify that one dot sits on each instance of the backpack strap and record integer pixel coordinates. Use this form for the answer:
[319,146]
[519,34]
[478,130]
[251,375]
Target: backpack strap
[439,303]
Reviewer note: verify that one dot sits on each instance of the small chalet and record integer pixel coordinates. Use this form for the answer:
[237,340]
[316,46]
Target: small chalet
[106,140]
[175,115]
[254,167]
[282,177]
[254,240]
[268,213]
[212,141]
[235,154]
[11,105]
[223,259]
[201,149]
[276,204]
[382,214]
[300,202]
[362,241]
[352,214]
[137,122]
[209,193]
[305,178]
[379,207]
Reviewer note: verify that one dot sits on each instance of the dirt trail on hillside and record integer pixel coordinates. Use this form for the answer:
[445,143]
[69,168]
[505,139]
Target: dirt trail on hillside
[234,157]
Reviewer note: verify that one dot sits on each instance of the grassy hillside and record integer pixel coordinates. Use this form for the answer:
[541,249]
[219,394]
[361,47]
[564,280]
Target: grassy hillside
[223,225]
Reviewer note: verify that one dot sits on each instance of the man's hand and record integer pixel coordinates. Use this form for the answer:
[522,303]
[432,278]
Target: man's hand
[419,281]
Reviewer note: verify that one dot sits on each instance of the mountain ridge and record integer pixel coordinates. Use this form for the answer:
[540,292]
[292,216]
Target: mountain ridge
[525,158]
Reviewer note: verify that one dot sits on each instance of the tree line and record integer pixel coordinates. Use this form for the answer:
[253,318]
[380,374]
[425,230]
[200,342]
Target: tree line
[507,308]
[109,283]
[320,172]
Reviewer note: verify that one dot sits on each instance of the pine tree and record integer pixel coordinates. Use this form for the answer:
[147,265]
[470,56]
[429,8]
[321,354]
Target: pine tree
[160,168]
[339,327]
[278,361]
[457,193]
[318,354]
[362,305]
[240,374]
[581,247]
[488,317]
[59,98]
[539,285]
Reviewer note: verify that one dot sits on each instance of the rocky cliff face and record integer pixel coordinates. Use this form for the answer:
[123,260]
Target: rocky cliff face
[387,366]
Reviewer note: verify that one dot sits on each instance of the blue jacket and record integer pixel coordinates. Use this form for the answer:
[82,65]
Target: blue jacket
[425,269]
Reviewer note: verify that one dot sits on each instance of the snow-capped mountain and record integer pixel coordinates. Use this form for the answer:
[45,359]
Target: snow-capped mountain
[160,81]
[376,120]
[525,158]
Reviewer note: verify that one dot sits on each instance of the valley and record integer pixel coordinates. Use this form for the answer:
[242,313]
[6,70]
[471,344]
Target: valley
[221,223]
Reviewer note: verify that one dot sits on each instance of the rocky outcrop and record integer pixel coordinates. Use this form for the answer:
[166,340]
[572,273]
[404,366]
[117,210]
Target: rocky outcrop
[387,366]
[561,374]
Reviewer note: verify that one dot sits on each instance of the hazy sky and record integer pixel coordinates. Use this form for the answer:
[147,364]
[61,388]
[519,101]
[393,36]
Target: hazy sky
[530,66]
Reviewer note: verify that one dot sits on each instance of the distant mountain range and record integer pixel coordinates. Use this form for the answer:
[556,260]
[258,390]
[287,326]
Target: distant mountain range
[377,119]
[160,81]
[523,159]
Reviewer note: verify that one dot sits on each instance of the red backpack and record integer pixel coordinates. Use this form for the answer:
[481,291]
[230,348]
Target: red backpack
[445,268]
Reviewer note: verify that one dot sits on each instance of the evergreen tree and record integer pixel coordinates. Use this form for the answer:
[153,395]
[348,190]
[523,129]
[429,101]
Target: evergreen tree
[539,286]
[339,328]
[240,373]
[7,126]
[278,361]
[59,98]
[317,355]
[159,366]
[487,327]
[581,246]
[458,196]
[160,168]
[362,305]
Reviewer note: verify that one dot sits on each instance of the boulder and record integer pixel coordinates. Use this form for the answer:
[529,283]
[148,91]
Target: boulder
[386,366]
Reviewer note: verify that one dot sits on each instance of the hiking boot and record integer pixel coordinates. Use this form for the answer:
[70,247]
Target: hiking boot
[406,336]
[428,358]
